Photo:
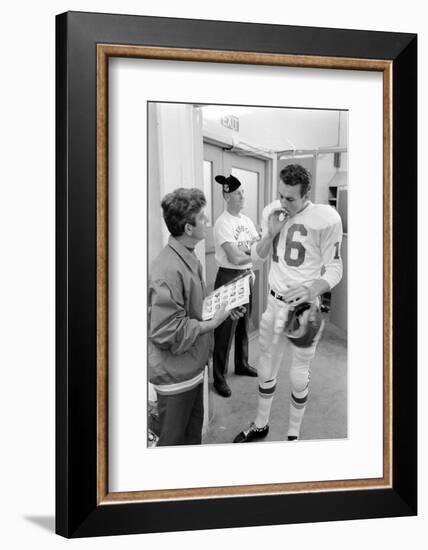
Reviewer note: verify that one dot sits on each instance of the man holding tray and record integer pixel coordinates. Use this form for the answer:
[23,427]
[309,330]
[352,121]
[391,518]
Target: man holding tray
[234,234]
[179,341]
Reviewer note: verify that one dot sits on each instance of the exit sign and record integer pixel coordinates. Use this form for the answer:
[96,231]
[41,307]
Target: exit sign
[230,121]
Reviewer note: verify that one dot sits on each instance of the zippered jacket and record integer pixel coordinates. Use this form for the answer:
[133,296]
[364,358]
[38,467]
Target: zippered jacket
[178,352]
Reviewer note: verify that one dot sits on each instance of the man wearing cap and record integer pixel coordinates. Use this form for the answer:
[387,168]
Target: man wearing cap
[234,233]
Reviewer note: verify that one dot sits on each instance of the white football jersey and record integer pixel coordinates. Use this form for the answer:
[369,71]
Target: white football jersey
[307,247]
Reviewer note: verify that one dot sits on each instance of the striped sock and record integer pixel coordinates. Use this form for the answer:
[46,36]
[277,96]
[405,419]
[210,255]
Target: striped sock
[297,410]
[266,392]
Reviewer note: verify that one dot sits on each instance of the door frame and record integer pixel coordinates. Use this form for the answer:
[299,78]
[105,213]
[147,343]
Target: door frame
[270,163]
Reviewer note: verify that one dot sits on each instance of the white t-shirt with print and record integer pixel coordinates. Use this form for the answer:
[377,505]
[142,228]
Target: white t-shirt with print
[239,230]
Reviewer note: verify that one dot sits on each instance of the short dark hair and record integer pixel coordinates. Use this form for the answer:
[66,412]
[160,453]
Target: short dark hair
[295,174]
[181,207]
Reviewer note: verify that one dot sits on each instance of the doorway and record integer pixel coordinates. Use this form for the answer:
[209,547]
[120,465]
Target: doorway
[252,172]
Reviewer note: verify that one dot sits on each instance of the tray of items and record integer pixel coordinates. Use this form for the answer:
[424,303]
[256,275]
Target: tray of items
[235,293]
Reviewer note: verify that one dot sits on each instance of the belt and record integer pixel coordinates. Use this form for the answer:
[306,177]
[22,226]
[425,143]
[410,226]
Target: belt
[279,297]
[231,270]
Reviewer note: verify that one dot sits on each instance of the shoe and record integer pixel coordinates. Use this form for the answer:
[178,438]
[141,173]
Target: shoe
[246,371]
[292,438]
[251,434]
[223,389]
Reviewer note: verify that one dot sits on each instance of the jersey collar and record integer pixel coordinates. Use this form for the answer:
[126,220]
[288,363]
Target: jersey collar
[309,203]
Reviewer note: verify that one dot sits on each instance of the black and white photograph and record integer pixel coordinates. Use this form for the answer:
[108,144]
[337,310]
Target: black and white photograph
[247,274]
[236,308]
[212,275]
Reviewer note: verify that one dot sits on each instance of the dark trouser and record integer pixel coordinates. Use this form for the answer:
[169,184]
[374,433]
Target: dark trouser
[224,333]
[181,417]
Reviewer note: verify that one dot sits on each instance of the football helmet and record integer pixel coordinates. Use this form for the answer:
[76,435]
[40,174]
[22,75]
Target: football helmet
[303,324]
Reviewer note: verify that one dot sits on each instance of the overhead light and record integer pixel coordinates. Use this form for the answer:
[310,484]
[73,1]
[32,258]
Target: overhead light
[297,156]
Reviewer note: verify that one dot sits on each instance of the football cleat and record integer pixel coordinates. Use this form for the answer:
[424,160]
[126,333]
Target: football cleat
[251,434]
[303,324]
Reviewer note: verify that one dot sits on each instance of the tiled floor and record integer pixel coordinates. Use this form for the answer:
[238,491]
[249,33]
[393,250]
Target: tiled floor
[326,412]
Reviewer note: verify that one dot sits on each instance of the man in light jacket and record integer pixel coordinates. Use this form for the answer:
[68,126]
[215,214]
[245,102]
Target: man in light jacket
[179,341]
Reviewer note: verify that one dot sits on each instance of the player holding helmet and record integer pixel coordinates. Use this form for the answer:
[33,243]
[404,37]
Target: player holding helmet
[304,240]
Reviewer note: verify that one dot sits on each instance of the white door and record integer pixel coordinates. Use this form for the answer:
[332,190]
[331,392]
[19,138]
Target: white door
[252,173]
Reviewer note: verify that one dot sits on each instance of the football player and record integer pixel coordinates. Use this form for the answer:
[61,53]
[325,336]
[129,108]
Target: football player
[304,241]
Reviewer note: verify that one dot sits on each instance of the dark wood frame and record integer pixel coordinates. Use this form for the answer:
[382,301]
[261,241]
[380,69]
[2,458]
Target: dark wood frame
[84,42]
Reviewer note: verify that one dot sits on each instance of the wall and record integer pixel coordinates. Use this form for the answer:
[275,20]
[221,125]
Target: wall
[272,130]
[325,173]
[175,160]
[343,140]
[278,129]
[339,294]
[157,233]
[27,287]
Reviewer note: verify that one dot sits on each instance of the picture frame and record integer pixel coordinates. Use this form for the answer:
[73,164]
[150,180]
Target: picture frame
[84,44]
